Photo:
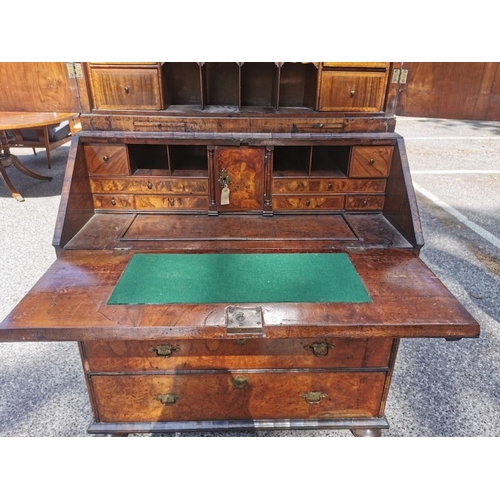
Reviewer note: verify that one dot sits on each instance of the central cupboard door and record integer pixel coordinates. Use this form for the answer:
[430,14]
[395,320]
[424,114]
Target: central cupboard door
[242,169]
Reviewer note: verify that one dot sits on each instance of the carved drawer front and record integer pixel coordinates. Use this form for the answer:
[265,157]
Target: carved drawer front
[352,90]
[143,202]
[103,159]
[284,186]
[364,202]
[238,395]
[126,88]
[113,201]
[370,161]
[120,356]
[150,185]
[308,202]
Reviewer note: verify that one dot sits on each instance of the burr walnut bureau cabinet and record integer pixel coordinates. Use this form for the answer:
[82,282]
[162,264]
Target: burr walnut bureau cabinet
[238,248]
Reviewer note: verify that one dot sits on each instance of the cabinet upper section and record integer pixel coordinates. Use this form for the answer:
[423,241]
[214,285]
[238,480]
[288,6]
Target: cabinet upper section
[245,89]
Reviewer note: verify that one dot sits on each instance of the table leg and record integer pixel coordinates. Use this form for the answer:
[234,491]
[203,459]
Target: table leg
[25,170]
[6,160]
[8,183]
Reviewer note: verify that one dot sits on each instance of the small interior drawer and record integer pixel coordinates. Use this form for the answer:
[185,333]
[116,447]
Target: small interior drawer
[104,159]
[370,161]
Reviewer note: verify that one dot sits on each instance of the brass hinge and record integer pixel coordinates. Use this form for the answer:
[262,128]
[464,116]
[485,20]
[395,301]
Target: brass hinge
[399,76]
[74,70]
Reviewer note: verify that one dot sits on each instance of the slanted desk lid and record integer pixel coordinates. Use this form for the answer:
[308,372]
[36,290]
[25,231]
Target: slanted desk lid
[70,302]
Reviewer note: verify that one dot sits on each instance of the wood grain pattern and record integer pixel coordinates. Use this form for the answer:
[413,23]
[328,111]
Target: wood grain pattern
[308,202]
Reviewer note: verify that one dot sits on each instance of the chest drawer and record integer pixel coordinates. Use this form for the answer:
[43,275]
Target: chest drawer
[145,185]
[134,88]
[370,161]
[241,395]
[118,356]
[103,159]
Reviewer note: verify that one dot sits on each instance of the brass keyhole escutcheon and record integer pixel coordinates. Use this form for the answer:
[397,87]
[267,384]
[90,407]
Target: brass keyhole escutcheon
[168,399]
[165,350]
[314,397]
[239,382]
[319,348]
[224,179]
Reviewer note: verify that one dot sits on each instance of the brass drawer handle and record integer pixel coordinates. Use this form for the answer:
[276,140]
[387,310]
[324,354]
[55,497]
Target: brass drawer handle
[308,202]
[105,158]
[165,350]
[330,185]
[239,382]
[168,399]
[149,185]
[352,93]
[319,348]
[126,89]
[372,161]
[113,201]
[314,397]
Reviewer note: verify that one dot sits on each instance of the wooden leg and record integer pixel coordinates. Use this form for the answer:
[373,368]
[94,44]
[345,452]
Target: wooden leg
[17,163]
[8,183]
[367,432]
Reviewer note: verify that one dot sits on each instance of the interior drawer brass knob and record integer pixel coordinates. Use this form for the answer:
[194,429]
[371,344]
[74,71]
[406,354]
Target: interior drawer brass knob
[165,350]
[319,348]
[113,201]
[168,399]
[314,397]
[149,185]
[126,89]
[105,158]
[372,161]
[239,382]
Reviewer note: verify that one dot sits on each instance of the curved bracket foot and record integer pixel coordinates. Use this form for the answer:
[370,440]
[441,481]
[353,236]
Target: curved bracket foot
[367,432]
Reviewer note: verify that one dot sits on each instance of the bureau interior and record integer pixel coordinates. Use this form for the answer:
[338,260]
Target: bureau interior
[318,195]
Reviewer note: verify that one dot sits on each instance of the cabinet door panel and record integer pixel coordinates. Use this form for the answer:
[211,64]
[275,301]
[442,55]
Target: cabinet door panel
[117,88]
[352,90]
[245,170]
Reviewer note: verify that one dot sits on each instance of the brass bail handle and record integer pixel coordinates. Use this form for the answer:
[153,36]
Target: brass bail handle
[319,348]
[165,350]
[314,397]
[168,399]
[224,179]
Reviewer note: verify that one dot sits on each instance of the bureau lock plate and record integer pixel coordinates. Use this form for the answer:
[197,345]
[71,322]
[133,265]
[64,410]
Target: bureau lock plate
[244,320]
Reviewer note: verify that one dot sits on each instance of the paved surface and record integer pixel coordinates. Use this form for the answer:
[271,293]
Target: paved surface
[439,388]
